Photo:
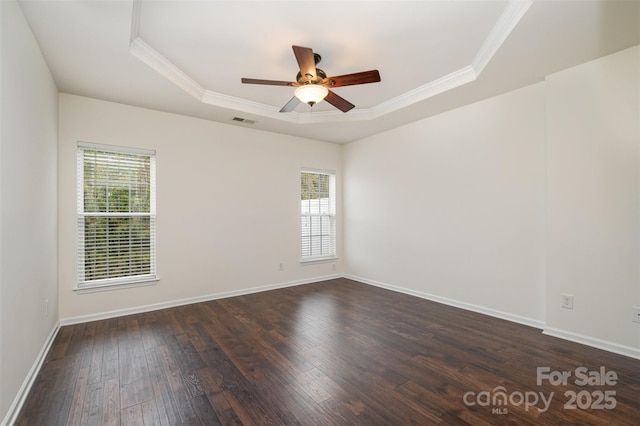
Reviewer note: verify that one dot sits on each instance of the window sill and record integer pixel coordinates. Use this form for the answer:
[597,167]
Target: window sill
[316,260]
[97,288]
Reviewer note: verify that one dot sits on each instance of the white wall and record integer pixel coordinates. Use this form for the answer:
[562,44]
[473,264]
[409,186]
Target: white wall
[456,207]
[593,197]
[227,201]
[452,206]
[28,198]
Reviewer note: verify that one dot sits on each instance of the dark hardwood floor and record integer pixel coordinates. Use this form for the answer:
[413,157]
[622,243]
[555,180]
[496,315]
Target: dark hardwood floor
[331,353]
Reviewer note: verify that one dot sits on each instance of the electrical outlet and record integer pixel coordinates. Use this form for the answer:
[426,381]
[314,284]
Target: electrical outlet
[635,311]
[567,301]
[281,266]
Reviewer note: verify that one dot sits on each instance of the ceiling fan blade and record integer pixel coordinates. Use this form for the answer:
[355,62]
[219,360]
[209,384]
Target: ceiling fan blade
[306,61]
[291,105]
[341,103]
[364,77]
[268,82]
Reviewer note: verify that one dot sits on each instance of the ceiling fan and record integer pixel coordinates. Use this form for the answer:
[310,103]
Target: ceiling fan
[312,84]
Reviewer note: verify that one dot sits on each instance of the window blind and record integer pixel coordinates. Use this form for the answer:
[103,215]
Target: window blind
[116,215]
[318,214]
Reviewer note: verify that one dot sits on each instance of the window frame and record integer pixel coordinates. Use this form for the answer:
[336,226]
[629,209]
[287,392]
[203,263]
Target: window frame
[103,284]
[331,215]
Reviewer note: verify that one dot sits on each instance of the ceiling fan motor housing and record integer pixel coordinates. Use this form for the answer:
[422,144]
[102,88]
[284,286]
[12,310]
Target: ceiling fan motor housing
[320,75]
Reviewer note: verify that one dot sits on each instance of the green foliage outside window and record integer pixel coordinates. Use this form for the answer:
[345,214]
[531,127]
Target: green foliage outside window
[117,221]
[314,186]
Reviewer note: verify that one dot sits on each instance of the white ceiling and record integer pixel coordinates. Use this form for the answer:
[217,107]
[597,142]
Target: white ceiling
[187,57]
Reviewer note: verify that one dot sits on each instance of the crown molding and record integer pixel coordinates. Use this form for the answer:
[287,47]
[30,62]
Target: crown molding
[135,21]
[147,54]
[510,17]
[443,84]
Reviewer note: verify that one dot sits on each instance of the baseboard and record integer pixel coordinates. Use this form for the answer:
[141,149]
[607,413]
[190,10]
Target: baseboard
[187,301]
[452,302]
[21,396]
[566,335]
[593,342]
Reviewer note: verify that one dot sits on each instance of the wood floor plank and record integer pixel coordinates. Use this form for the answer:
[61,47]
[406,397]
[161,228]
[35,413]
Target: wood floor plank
[165,404]
[132,416]
[150,416]
[329,353]
[135,382]
[92,408]
[111,403]
[239,392]
[60,402]
[79,394]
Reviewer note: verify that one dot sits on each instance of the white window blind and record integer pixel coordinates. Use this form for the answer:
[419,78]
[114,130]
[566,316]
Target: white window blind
[116,215]
[318,212]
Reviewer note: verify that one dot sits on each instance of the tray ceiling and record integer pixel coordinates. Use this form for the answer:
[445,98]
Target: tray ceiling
[188,57]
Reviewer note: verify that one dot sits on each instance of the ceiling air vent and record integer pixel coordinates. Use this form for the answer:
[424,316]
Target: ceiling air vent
[243,120]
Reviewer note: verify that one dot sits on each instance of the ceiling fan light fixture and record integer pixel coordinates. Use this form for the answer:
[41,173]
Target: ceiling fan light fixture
[311,93]
[312,82]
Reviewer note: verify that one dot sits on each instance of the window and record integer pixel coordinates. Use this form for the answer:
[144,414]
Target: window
[116,215]
[318,211]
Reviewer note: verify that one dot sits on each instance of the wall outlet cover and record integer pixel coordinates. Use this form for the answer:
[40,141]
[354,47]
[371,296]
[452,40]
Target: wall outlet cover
[566,301]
